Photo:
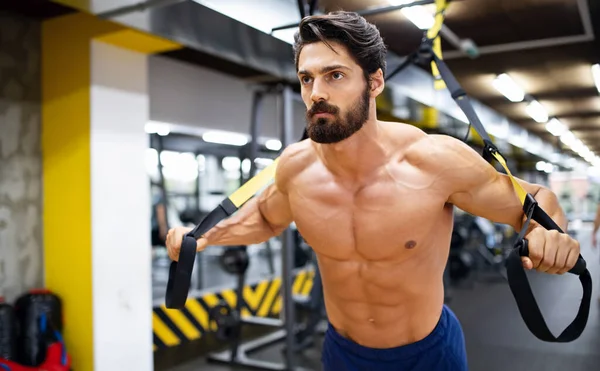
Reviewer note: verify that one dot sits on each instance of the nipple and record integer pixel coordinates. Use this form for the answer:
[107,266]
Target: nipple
[410,244]
[372,320]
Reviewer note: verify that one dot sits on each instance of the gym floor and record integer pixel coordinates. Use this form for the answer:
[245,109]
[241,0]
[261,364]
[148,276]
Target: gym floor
[496,336]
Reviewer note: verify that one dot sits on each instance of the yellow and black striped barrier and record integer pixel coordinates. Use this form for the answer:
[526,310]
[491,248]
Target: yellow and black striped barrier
[173,327]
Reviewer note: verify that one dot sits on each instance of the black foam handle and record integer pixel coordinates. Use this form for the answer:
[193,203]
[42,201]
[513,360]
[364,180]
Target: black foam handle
[180,274]
[579,268]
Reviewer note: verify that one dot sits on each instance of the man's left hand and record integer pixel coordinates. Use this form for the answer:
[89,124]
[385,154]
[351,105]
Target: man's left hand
[550,251]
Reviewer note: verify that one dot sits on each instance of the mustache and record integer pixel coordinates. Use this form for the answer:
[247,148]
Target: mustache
[322,107]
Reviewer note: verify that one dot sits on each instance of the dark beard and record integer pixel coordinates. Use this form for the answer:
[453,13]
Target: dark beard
[334,130]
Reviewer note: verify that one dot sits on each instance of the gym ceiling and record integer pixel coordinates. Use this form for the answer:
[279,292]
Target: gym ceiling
[547,47]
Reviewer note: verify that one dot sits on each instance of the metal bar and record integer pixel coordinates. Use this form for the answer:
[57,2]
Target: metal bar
[368,12]
[197,189]
[287,118]
[257,100]
[288,239]
[199,257]
[161,176]
[312,7]
[270,257]
[139,7]
[586,20]
[242,358]
[408,60]
[301,8]
[522,45]
[451,37]
[238,306]
[263,321]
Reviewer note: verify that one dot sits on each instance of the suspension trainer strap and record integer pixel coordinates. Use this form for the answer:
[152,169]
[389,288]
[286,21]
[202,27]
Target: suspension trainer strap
[180,272]
[517,278]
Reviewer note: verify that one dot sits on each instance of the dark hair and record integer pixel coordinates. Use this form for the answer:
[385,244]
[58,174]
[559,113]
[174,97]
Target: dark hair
[361,38]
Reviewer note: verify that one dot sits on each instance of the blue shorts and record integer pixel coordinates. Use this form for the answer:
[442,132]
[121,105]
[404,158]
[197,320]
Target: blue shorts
[442,350]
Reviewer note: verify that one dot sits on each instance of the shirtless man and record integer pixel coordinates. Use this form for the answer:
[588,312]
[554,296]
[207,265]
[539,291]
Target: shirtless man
[374,199]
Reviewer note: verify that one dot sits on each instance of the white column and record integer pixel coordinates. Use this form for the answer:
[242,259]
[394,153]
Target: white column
[121,253]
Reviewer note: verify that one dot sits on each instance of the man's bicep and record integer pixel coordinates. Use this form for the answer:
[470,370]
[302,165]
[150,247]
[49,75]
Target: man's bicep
[275,208]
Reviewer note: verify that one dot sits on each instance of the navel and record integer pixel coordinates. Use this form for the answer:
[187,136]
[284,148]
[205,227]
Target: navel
[410,244]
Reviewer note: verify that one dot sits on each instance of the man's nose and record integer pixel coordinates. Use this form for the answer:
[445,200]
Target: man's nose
[319,91]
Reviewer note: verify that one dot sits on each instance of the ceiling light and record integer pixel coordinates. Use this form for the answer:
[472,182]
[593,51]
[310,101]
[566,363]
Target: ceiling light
[568,138]
[593,171]
[507,87]
[264,162]
[577,146]
[555,127]
[418,15]
[221,137]
[596,75]
[540,166]
[518,140]
[273,144]
[537,111]
[498,129]
[155,127]
[571,163]
[246,165]
[231,163]
[546,167]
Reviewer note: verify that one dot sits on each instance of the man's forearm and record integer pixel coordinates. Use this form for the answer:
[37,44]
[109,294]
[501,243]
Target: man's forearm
[247,226]
[597,220]
[548,201]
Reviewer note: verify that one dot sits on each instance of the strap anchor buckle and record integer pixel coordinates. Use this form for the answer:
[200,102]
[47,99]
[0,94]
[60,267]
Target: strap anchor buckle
[489,150]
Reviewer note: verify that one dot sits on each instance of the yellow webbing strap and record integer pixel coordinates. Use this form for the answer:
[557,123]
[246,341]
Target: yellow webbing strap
[249,189]
[521,193]
[433,33]
[439,83]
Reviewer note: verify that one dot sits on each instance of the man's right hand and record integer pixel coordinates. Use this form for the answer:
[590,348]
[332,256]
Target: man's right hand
[174,239]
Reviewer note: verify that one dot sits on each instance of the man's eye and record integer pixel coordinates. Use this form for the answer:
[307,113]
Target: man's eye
[306,80]
[337,75]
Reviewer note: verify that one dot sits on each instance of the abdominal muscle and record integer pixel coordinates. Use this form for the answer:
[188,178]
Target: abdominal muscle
[383,305]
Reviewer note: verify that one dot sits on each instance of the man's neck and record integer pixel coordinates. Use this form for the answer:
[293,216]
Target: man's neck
[355,158]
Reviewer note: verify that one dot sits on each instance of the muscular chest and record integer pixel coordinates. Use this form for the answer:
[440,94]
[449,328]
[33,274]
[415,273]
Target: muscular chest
[391,212]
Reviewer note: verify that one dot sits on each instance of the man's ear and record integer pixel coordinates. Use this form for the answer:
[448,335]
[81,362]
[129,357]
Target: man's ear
[377,83]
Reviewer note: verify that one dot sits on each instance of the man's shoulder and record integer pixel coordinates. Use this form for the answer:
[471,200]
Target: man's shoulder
[296,154]
[442,143]
[293,160]
[435,149]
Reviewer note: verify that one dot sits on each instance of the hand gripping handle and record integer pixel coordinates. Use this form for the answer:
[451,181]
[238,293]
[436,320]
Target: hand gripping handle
[579,268]
[543,219]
